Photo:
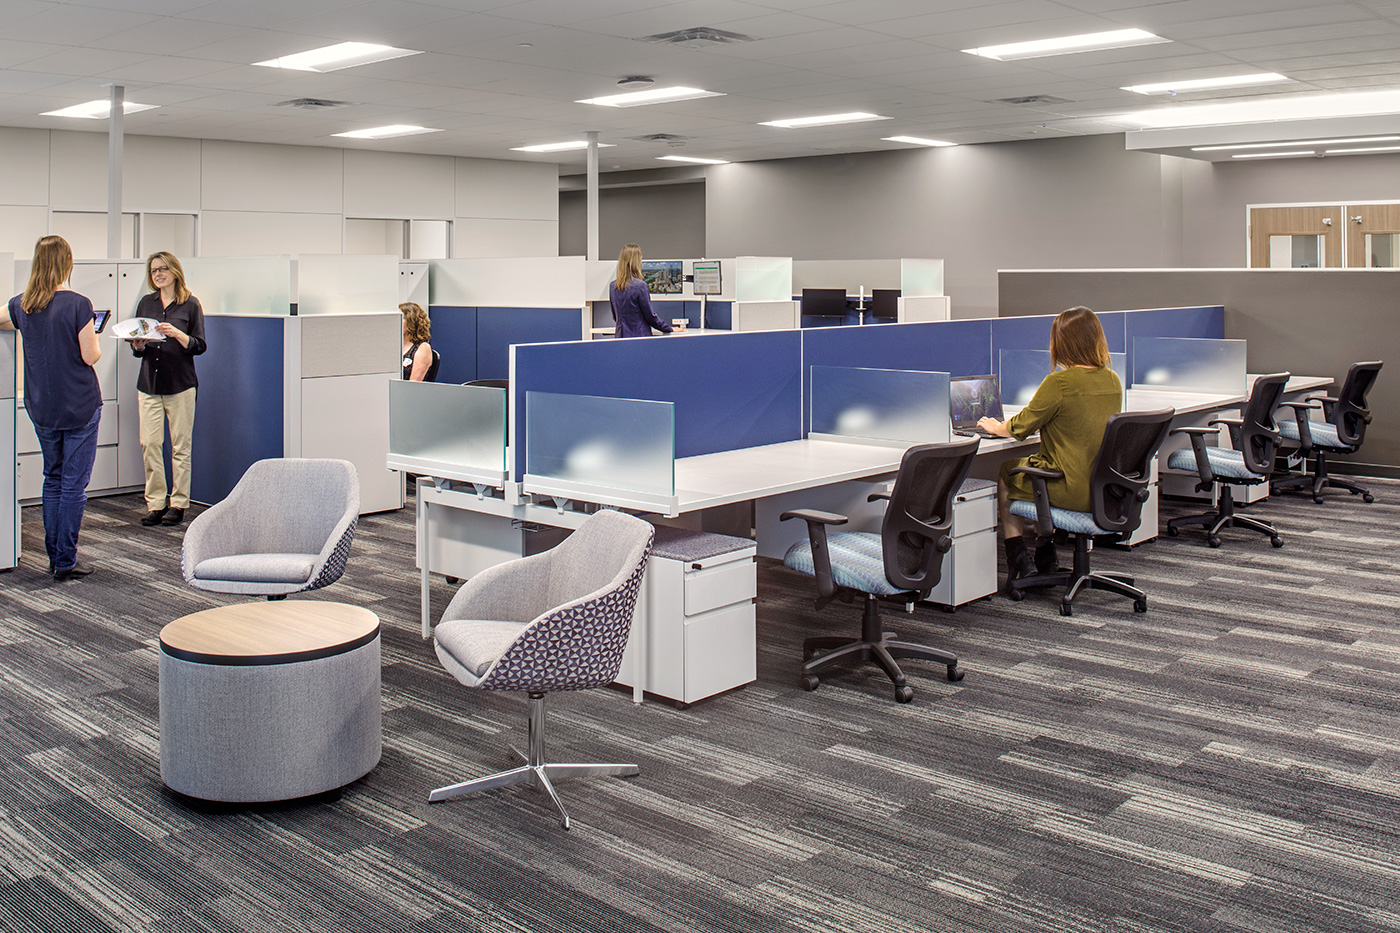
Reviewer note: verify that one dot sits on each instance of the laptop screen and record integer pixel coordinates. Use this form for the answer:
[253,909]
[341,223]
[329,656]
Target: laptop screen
[974,397]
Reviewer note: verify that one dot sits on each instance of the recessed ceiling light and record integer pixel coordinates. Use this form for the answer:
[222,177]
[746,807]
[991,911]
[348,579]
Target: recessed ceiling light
[1314,106]
[656,95]
[336,57]
[1090,42]
[917,141]
[96,109]
[560,147]
[828,120]
[694,159]
[1298,142]
[1367,149]
[384,132]
[1205,84]
[1272,155]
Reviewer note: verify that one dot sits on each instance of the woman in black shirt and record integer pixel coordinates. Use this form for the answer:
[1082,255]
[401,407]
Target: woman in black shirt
[165,389]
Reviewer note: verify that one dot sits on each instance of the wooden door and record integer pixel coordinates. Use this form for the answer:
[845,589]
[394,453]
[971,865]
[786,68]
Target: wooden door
[1324,222]
[1362,219]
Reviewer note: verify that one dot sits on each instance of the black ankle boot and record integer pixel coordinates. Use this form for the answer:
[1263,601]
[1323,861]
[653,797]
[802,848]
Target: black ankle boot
[1018,560]
[1046,560]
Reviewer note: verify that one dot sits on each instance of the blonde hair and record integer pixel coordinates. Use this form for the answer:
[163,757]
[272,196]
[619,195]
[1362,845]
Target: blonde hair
[177,272]
[1077,339]
[416,326]
[53,264]
[629,265]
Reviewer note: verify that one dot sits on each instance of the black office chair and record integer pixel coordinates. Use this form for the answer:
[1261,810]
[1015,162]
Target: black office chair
[489,383]
[1118,488]
[1341,431]
[901,564]
[1255,441]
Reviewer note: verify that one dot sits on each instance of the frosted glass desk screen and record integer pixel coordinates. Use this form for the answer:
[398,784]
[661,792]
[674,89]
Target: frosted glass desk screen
[907,406]
[245,287]
[1022,371]
[464,426]
[1192,363]
[612,443]
[706,278]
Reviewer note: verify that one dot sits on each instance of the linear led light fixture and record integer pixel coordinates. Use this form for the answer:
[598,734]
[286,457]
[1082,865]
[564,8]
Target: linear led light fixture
[916,141]
[1208,84]
[1272,155]
[1298,142]
[694,159]
[560,147]
[656,95]
[1367,149]
[336,57]
[385,132]
[1064,45]
[97,109]
[1313,106]
[830,119]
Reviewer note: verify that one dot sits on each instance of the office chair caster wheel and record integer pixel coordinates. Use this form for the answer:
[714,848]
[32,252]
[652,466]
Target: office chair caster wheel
[1213,541]
[1139,605]
[1317,499]
[453,580]
[903,694]
[1065,609]
[1367,497]
[1015,595]
[1172,532]
[810,682]
[954,674]
[1276,541]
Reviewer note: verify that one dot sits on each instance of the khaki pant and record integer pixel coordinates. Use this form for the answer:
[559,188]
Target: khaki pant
[155,411]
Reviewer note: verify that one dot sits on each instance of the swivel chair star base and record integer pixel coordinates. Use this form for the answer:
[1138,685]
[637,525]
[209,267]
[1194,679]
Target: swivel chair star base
[1223,517]
[1342,432]
[1079,577]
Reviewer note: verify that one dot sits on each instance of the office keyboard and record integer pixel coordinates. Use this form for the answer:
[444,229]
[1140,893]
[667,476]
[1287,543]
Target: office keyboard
[975,432]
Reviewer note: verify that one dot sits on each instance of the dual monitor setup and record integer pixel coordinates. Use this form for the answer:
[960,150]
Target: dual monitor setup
[667,277]
[833,302]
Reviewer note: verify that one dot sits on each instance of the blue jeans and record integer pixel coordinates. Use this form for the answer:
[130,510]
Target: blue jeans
[68,457]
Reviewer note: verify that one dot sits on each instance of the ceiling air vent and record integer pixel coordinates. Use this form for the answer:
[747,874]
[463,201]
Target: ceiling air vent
[313,103]
[659,138]
[699,37]
[1032,99]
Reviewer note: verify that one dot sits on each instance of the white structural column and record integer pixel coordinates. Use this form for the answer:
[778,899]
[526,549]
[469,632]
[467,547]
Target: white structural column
[114,171]
[592,195]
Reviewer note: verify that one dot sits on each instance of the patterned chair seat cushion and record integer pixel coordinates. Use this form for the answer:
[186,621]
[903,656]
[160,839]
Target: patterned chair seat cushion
[474,644]
[857,561]
[1078,523]
[257,568]
[1323,434]
[1223,462]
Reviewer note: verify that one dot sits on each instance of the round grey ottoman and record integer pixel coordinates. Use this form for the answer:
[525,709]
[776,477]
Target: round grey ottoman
[269,701]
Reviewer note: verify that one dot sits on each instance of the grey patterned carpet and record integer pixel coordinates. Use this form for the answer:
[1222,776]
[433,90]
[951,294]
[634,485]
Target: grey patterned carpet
[1229,761]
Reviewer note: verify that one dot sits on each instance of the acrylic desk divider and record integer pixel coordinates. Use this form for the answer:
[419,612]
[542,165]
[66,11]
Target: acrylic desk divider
[246,287]
[1190,364]
[611,451]
[1020,372]
[448,431]
[879,405]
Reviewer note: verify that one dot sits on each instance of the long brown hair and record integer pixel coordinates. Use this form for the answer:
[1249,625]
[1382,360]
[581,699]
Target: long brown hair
[629,265]
[1077,339]
[177,272]
[416,326]
[53,264]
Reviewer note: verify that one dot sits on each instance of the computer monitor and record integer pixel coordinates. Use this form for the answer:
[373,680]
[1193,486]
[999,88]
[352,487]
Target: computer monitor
[706,277]
[884,303]
[824,302]
[974,397]
[663,276]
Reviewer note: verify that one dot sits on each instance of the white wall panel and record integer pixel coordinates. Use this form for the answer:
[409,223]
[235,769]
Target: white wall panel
[25,180]
[398,184]
[20,229]
[524,190]
[475,236]
[158,173]
[284,179]
[255,233]
[78,171]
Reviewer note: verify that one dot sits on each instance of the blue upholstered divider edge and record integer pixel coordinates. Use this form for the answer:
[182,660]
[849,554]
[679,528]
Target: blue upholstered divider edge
[238,416]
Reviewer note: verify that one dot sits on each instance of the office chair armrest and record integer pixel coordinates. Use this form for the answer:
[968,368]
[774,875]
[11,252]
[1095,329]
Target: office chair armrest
[1198,446]
[1233,425]
[821,557]
[1305,441]
[1328,403]
[1044,524]
[877,496]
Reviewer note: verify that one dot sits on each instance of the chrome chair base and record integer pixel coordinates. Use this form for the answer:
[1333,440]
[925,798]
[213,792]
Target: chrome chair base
[535,770]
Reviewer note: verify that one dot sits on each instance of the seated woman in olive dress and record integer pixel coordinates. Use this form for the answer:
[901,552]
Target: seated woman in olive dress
[1070,410]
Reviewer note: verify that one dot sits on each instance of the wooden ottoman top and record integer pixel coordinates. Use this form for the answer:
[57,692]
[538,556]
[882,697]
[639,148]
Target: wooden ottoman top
[269,633]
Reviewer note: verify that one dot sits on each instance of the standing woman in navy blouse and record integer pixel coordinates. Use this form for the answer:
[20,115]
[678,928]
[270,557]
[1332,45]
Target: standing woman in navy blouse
[165,389]
[631,301]
[61,394]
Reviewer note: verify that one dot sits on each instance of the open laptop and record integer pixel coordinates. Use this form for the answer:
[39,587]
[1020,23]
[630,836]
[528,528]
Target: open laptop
[971,398]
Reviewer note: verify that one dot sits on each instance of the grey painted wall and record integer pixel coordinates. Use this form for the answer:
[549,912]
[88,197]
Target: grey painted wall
[668,221]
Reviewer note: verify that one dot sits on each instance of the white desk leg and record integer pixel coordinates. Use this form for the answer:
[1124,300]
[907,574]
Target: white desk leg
[424,544]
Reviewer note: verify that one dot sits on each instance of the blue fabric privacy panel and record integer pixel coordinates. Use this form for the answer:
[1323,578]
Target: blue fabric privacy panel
[239,415]
[1115,324]
[1207,322]
[1019,333]
[498,328]
[454,338]
[719,315]
[730,391]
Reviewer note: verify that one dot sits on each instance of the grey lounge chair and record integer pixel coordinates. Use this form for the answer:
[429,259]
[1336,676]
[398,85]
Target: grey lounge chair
[285,528]
[553,621]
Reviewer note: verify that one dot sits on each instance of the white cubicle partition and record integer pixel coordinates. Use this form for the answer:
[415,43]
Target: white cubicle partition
[413,282]
[921,295]
[534,282]
[9,383]
[259,285]
[334,284]
[850,274]
[762,292]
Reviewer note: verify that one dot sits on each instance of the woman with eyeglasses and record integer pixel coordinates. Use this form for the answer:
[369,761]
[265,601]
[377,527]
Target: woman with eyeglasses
[61,394]
[165,389]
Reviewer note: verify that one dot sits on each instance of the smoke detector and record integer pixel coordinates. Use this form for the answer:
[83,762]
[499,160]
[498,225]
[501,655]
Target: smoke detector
[698,37]
[636,81]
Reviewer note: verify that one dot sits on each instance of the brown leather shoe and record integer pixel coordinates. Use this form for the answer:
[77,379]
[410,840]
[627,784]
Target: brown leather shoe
[152,518]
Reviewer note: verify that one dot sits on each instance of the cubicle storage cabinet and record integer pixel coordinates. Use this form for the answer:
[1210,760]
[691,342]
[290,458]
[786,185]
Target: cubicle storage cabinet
[9,508]
[970,566]
[696,614]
